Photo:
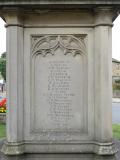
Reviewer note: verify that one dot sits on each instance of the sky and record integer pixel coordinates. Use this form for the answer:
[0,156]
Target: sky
[2,37]
[115,38]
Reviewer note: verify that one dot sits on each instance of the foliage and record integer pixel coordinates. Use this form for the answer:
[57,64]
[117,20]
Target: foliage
[2,130]
[116,131]
[3,106]
[3,55]
[117,81]
[3,65]
[116,86]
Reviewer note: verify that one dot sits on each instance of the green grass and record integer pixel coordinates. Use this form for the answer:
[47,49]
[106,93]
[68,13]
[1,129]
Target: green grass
[2,130]
[116,131]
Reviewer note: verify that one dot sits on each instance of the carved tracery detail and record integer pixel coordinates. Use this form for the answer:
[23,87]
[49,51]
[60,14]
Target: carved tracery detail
[48,44]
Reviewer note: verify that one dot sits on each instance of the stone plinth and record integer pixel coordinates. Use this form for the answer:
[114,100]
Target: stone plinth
[59,59]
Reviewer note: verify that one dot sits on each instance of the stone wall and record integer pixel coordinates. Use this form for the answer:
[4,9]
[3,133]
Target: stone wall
[116,94]
[2,117]
[115,69]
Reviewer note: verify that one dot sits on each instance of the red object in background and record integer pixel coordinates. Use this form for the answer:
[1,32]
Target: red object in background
[3,103]
[3,106]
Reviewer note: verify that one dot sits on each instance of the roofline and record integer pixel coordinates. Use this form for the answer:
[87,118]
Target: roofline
[115,60]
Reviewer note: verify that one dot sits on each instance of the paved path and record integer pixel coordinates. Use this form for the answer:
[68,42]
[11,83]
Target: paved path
[116,100]
[116,113]
[53,157]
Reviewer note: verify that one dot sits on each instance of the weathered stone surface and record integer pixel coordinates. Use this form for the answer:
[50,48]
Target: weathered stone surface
[60,64]
[59,2]
[58,156]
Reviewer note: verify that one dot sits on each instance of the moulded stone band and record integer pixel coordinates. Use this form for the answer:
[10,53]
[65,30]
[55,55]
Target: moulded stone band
[27,147]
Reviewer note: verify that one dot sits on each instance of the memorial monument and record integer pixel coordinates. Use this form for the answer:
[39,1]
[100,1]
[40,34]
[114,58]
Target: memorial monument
[59,60]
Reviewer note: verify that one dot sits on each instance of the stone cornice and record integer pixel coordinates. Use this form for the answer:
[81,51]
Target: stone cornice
[48,2]
[21,8]
[33,5]
[60,3]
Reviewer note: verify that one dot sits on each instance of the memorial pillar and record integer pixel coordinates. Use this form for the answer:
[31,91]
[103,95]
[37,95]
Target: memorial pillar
[59,80]
[103,74]
[14,80]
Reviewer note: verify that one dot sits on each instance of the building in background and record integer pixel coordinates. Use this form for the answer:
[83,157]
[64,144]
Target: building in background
[115,68]
[116,78]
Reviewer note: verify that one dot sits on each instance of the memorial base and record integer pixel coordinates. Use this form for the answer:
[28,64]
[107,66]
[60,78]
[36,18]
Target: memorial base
[102,149]
[13,148]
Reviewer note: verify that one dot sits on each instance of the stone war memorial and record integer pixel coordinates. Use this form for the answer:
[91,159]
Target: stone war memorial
[59,61]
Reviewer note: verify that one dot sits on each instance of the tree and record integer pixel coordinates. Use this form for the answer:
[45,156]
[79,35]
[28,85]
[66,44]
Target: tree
[3,65]
[3,55]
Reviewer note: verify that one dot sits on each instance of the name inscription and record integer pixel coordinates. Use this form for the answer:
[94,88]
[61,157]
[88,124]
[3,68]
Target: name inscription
[58,87]
[59,93]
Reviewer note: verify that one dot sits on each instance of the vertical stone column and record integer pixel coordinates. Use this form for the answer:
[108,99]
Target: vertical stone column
[103,76]
[103,80]
[14,83]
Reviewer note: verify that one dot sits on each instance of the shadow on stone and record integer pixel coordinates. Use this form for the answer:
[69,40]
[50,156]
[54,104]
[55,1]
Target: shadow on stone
[57,157]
